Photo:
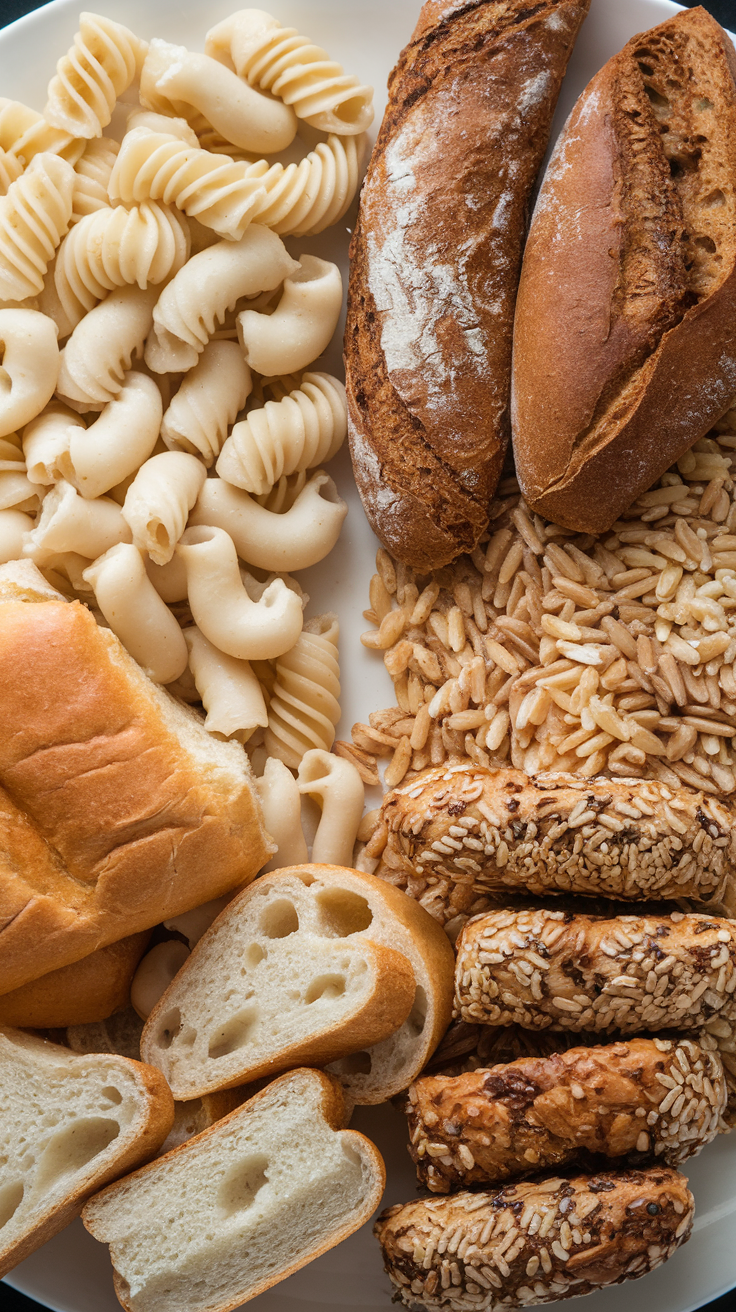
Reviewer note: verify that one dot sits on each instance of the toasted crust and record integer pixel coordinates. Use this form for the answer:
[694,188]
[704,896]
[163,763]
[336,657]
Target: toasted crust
[632,1221]
[538,1113]
[89,990]
[630,270]
[428,336]
[478,832]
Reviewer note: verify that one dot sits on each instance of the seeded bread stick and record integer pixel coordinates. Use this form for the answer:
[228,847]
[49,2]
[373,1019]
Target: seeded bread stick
[642,1097]
[462,833]
[554,969]
[535,1242]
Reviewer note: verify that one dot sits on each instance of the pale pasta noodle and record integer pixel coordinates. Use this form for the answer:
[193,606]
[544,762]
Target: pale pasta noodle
[49,304]
[102,347]
[302,324]
[46,440]
[215,190]
[294,539]
[156,971]
[170,580]
[223,610]
[230,692]
[281,805]
[209,285]
[305,198]
[159,499]
[279,60]
[136,614]
[29,369]
[305,429]
[176,81]
[34,215]
[305,707]
[208,401]
[193,924]
[16,490]
[25,133]
[10,170]
[70,523]
[339,788]
[118,247]
[102,63]
[14,525]
[113,447]
[92,172]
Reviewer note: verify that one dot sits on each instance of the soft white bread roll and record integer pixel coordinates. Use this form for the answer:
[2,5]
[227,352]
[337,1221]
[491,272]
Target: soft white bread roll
[334,938]
[68,1125]
[117,809]
[86,991]
[243,1205]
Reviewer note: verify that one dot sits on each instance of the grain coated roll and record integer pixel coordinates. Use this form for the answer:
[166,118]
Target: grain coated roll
[536,1242]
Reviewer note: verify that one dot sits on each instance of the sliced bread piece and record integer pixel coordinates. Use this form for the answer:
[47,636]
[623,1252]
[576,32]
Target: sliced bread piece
[230,1213]
[312,963]
[68,1125]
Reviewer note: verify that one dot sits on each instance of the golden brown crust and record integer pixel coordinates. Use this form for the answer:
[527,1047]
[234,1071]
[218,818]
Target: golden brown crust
[430,306]
[86,991]
[630,269]
[540,1113]
[536,1242]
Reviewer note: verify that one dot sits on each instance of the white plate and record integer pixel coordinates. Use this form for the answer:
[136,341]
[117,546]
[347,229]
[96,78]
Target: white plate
[71,1273]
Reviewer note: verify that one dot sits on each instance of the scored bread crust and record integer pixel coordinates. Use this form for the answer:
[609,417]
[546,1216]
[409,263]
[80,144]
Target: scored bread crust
[86,991]
[117,809]
[625,330]
[434,265]
[332,1109]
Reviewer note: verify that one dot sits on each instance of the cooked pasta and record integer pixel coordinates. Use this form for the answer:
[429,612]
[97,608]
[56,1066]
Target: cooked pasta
[102,63]
[209,285]
[135,612]
[70,523]
[170,580]
[14,525]
[10,170]
[294,539]
[16,490]
[25,133]
[305,708]
[114,446]
[46,440]
[305,198]
[176,81]
[100,351]
[211,395]
[281,805]
[93,171]
[223,610]
[160,165]
[303,430]
[137,246]
[302,324]
[230,692]
[159,499]
[30,366]
[339,788]
[34,215]
[279,60]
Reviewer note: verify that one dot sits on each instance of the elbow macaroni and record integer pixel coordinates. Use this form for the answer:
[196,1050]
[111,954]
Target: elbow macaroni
[158,502]
[302,324]
[208,401]
[100,351]
[281,804]
[339,787]
[229,690]
[101,64]
[305,708]
[114,446]
[29,369]
[294,539]
[46,440]
[69,523]
[34,215]
[136,614]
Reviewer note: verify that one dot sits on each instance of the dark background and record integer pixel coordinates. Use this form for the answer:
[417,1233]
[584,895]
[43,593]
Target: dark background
[725,12]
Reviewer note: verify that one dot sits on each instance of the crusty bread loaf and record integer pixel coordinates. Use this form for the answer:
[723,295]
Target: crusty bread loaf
[435,262]
[89,990]
[305,965]
[117,808]
[68,1125]
[592,1231]
[460,834]
[241,1206]
[625,333]
[541,1113]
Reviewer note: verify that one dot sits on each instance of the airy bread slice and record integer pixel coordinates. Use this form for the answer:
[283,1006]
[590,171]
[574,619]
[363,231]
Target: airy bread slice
[117,808]
[311,963]
[68,1125]
[87,991]
[246,1203]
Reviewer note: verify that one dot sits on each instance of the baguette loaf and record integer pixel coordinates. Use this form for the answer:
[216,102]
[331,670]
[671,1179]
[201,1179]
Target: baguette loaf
[625,333]
[117,808]
[435,262]
[243,1205]
[87,991]
[68,1125]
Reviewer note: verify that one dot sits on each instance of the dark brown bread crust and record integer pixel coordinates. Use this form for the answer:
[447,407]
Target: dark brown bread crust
[435,263]
[630,271]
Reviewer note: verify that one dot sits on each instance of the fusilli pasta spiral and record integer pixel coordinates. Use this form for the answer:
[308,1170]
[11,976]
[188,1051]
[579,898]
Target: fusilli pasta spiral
[10,170]
[101,348]
[15,489]
[303,430]
[102,63]
[207,402]
[25,133]
[34,215]
[304,709]
[305,198]
[118,247]
[92,176]
[279,60]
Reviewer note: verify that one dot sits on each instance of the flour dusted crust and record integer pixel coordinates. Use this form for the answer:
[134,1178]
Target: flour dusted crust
[435,260]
